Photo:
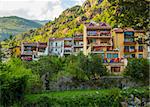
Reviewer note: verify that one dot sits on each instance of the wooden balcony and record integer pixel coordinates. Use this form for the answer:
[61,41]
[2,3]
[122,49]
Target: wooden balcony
[129,43]
[140,50]
[130,50]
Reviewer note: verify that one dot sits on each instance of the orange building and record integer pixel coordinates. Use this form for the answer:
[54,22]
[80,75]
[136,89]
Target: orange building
[97,39]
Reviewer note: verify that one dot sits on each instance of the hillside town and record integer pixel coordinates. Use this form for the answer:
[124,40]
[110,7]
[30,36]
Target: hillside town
[114,46]
[74,53]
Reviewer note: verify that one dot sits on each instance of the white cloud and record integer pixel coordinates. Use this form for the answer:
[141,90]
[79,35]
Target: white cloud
[33,9]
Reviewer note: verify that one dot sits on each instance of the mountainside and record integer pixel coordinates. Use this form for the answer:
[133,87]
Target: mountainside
[117,13]
[42,22]
[13,25]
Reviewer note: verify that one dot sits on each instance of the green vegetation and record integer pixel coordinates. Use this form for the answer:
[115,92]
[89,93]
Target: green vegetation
[86,98]
[138,69]
[19,81]
[15,81]
[117,13]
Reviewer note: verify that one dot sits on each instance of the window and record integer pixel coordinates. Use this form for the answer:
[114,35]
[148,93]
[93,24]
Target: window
[115,55]
[91,32]
[93,40]
[115,69]
[132,47]
[109,55]
[132,56]
[140,48]
[56,43]
[140,55]
[126,47]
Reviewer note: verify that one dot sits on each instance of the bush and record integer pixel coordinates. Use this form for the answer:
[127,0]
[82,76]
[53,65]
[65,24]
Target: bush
[15,81]
[138,69]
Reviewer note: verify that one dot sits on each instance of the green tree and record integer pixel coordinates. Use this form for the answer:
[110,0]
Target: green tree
[138,69]
[15,81]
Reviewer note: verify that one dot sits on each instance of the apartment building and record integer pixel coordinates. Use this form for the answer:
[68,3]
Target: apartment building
[97,39]
[60,46]
[15,51]
[32,51]
[77,43]
[130,42]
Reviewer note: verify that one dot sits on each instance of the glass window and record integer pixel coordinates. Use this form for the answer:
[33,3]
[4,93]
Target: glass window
[94,40]
[91,32]
[109,55]
[126,47]
[132,56]
[140,55]
[140,47]
[132,47]
[115,55]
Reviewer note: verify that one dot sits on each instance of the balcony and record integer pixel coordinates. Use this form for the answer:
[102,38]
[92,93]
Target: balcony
[67,51]
[101,34]
[100,44]
[129,43]
[42,45]
[130,50]
[27,53]
[140,50]
[30,44]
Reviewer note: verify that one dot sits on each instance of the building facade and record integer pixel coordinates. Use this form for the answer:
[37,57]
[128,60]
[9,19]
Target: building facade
[60,46]
[77,43]
[32,51]
[129,42]
[97,39]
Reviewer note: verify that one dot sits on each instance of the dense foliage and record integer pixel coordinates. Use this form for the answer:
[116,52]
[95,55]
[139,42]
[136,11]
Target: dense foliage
[86,98]
[15,81]
[78,67]
[138,69]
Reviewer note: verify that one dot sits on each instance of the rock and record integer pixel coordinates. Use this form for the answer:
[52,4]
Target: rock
[137,101]
[147,105]
[124,104]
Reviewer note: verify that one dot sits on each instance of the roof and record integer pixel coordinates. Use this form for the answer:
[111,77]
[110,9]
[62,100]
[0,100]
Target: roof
[128,30]
[118,30]
[94,25]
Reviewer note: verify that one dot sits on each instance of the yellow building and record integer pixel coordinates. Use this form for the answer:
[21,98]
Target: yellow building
[129,42]
[15,51]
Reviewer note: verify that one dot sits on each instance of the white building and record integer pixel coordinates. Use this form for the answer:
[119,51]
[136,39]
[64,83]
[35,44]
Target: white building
[60,46]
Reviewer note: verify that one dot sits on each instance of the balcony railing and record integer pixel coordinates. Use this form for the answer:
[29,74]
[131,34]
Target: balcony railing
[101,44]
[129,42]
[140,50]
[130,50]
[27,53]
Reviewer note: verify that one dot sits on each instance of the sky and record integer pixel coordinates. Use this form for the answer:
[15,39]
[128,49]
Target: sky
[36,9]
